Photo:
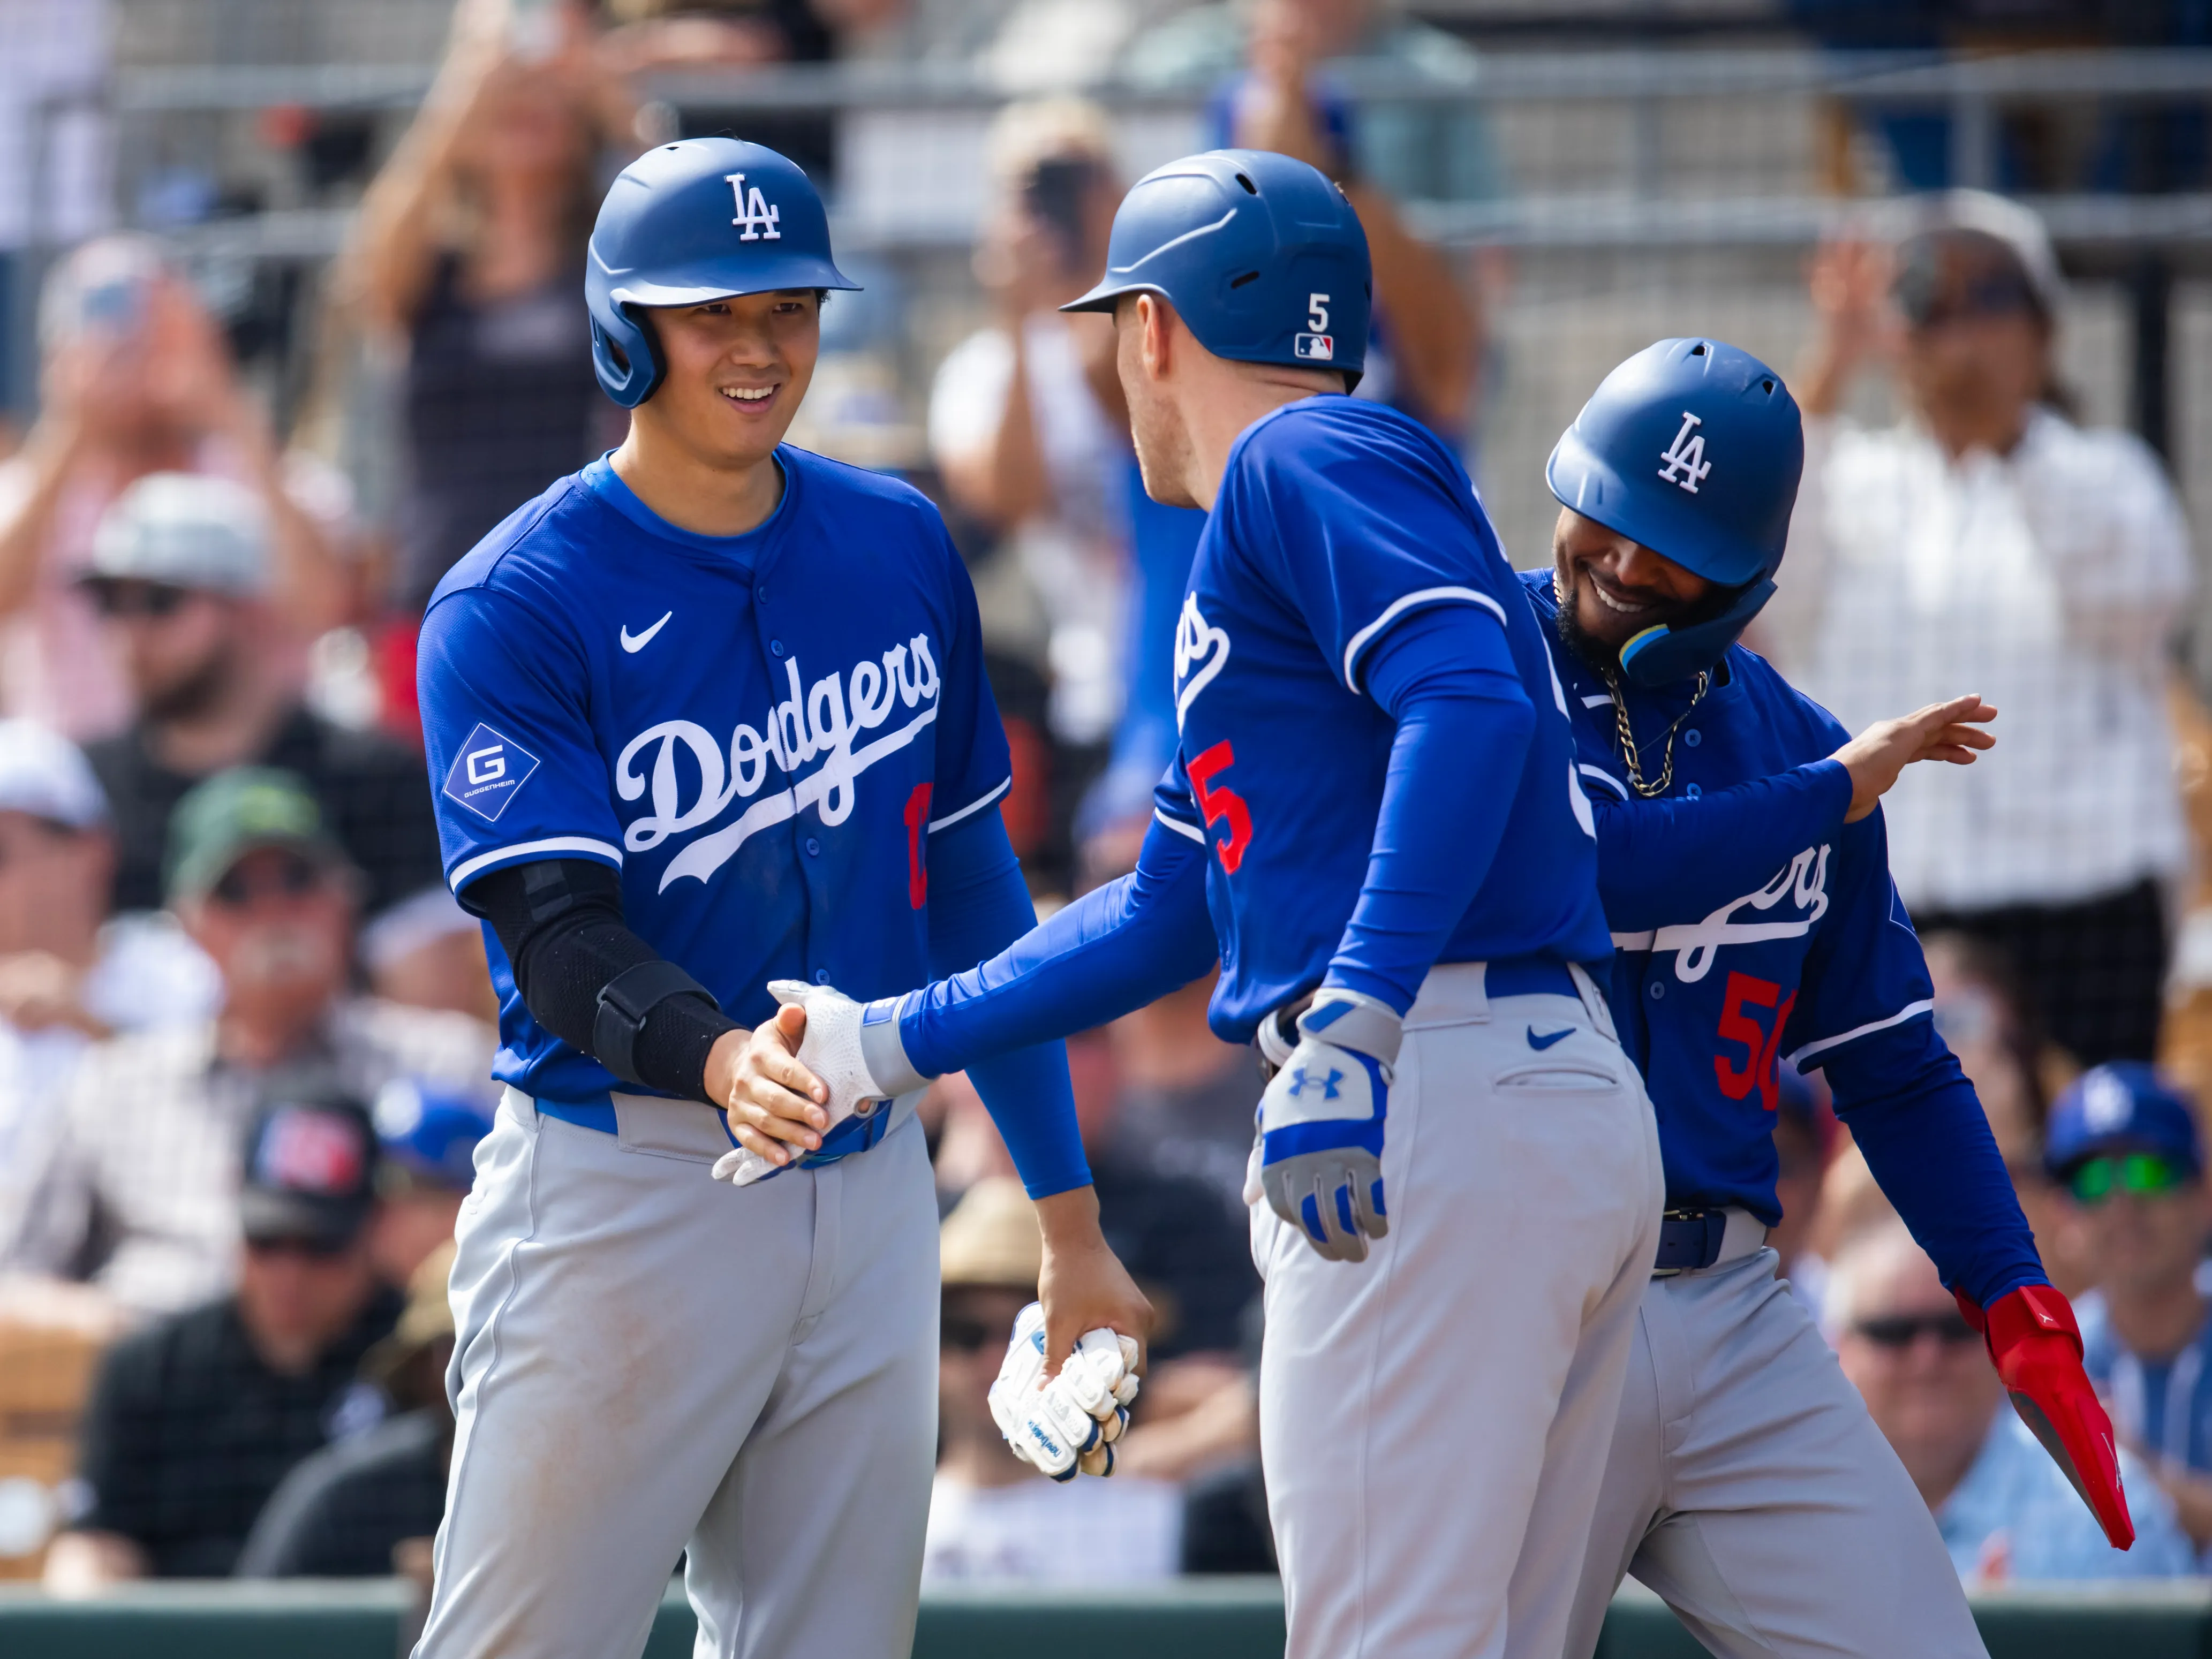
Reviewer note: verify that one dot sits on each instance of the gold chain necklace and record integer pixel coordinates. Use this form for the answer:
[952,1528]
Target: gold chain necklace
[1628,750]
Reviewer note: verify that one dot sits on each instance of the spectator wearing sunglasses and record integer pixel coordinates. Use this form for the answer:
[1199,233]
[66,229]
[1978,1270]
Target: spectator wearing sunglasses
[194,1420]
[1987,540]
[140,1195]
[137,378]
[181,574]
[2004,1509]
[2124,1148]
[991,1517]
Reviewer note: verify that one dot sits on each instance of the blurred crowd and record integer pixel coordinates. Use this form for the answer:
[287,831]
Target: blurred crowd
[246,1034]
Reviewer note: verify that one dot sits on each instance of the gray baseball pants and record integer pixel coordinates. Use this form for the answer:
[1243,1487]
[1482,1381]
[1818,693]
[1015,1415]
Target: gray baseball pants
[1750,1490]
[650,1363]
[1433,1421]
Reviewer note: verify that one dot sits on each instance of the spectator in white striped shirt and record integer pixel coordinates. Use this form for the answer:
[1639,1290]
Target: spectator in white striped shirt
[1987,540]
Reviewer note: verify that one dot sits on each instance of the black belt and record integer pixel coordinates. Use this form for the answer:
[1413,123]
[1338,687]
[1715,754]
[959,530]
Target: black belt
[1509,976]
[1689,1239]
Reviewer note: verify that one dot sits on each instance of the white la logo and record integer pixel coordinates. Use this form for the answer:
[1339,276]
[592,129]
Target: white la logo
[1201,650]
[1686,456]
[754,213]
[2106,1105]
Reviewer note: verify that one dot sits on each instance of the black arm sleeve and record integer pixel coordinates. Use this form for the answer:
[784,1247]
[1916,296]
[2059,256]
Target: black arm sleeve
[561,923]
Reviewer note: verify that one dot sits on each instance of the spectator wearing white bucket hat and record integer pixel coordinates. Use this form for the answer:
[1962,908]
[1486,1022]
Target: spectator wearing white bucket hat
[181,571]
[135,378]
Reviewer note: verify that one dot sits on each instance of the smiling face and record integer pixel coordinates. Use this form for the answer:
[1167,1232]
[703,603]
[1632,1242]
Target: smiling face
[1611,588]
[736,371]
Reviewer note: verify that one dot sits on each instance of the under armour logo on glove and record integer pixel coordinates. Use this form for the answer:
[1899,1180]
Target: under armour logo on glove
[1321,1122]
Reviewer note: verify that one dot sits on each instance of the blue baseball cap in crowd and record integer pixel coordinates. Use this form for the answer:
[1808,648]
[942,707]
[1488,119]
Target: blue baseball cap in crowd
[2123,1107]
[428,1135]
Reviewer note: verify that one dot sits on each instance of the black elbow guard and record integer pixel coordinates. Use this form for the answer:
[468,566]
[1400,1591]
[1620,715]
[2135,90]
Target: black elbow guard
[626,1000]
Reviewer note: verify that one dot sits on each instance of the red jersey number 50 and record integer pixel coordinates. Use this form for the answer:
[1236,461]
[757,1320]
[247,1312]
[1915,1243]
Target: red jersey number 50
[1761,1045]
[1220,804]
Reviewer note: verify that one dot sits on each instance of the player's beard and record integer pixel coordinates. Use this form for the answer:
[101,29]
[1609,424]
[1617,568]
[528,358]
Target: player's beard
[1606,658]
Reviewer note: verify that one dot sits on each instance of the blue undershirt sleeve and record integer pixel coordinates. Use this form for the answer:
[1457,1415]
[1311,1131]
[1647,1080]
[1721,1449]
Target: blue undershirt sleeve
[1661,860]
[978,904]
[1113,950]
[1927,1140]
[1446,675]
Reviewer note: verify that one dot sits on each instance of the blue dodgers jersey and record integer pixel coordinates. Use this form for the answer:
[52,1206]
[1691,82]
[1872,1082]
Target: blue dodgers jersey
[1335,519]
[1813,954]
[759,732]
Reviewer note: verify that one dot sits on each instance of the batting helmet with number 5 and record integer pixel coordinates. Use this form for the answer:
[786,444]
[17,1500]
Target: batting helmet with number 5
[702,219]
[1261,255]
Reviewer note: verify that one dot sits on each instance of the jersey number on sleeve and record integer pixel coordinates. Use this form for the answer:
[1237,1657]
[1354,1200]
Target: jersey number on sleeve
[1760,1045]
[1220,804]
[917,872]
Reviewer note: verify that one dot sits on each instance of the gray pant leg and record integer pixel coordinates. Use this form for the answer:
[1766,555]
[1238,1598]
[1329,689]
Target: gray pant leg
[626,1324]
[811,1547]
[1785,1528]
[1629,1499]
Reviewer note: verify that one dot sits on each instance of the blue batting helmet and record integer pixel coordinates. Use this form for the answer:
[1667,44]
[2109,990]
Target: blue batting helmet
[1694,449]
[700,220]
[1261,255]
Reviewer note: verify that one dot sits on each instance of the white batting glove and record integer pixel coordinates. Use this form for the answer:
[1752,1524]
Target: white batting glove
[854,1048]
[1066,1426]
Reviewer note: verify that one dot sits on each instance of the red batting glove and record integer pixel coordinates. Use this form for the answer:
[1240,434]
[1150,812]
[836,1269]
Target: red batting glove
[2037,1348]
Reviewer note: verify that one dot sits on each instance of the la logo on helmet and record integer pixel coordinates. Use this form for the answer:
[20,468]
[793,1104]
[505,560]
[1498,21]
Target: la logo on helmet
[754,214]
[1687,464]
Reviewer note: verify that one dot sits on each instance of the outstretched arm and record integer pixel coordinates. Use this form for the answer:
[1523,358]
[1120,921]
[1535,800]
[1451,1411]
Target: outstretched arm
[1927,1142]
[1113,950]
[1661,860]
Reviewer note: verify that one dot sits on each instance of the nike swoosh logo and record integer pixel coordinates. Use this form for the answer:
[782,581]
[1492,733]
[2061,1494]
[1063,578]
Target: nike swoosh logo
[1540,1043]
[638,642]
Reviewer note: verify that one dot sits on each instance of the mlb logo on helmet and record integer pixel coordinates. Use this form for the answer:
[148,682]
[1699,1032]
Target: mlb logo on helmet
[1319,347]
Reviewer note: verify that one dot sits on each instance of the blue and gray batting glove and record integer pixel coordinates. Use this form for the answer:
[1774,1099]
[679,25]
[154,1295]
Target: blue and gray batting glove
[1321,1119]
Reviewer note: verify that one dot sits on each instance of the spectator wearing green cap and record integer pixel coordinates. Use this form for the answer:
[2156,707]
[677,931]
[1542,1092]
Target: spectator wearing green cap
[140,1193]
[2124,1147]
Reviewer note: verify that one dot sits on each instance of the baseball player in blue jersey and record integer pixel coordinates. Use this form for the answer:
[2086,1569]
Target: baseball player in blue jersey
[1374,821]
[1745,876]
[708,714]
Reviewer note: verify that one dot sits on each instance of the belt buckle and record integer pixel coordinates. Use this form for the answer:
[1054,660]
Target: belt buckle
[1712,1233]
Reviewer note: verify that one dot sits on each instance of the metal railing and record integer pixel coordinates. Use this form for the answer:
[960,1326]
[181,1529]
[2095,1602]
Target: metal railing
[1974,93]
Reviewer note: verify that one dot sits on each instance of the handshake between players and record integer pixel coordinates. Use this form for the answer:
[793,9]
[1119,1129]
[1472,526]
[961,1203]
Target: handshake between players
[827,1066]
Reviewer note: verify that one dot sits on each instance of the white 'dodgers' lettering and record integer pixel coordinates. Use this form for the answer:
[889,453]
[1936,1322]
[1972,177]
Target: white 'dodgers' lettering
[821,721]
[1805,883]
